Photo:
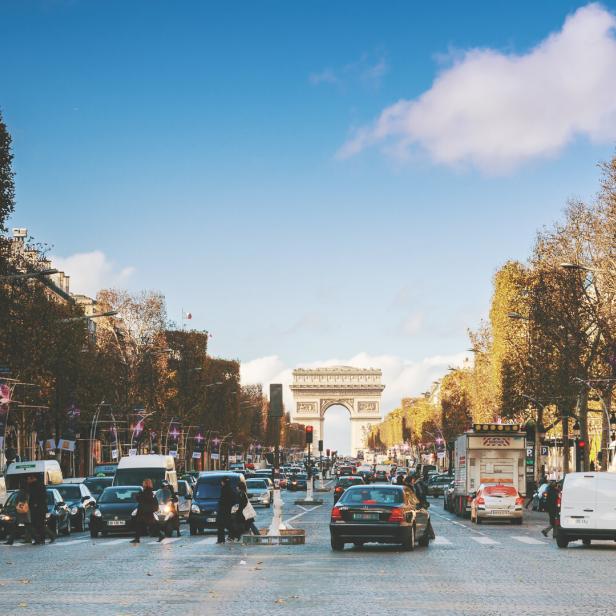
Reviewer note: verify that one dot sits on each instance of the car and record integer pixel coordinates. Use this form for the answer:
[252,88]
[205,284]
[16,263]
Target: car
[497,502]
[259,492]
[205,499]
[366,473]
[540,497]
[185,496]
[96,485]
[380,475]
[587,505]
[346,470]
[80,502]
[115,511]
[437,485]
[298,481]
[381,514]
[282,484]
[346,482]
[107,469]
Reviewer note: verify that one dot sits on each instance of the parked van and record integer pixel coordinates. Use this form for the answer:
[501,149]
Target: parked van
[587,508]
[134,470]
[205,499]
[48,471]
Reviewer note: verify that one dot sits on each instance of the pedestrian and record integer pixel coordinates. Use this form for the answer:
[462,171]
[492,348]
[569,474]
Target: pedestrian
[400,479]
[147,505]
[531,488]
[224,519]
[22,517]
[246,514]
[37,504]
[418,487]
[551,506]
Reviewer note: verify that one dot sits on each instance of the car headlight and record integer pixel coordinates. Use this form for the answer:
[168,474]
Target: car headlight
[74,510]
[134,512]
[97,513]
[195,509]
[5,518]
[167,509]
[47,515]
[264,497]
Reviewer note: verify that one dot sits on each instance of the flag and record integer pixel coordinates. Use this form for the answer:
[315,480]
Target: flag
[173,437]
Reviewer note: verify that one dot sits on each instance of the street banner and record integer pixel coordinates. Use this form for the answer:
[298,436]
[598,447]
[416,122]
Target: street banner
[215,456]
[196,455]
[114,454]
[137,428]
[215,449]
[69,438]
[4,415]
[132,452]
[50,445]
[5,394]
[198,444]
[173,437]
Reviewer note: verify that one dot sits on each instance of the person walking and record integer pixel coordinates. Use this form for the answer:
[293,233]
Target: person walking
[37,504]
[224,519]
[551,506]
[22,517]
[418,487]
[246,513]
[147,505]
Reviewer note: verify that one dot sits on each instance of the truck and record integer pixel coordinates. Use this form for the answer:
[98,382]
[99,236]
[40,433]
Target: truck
[488,454]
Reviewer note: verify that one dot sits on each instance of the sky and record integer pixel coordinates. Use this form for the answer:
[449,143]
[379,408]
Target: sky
[318,183]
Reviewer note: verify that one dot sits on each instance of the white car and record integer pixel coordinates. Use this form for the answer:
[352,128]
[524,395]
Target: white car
[587,508]
[497,502]
[259,492]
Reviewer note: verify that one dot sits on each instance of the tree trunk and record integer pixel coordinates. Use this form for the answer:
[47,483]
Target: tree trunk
[605,428]
[583,414]
[566,445]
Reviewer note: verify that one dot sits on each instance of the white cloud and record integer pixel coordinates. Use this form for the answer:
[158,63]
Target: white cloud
[92,271]
[368,70]
[402,377]
[494,110]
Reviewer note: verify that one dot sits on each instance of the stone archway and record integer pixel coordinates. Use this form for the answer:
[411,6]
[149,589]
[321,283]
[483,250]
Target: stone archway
[357,389]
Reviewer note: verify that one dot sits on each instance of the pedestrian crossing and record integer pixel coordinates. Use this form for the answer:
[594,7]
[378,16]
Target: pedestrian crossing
[465,540]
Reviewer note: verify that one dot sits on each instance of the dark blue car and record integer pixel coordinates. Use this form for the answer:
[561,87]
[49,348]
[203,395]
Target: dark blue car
[205,499]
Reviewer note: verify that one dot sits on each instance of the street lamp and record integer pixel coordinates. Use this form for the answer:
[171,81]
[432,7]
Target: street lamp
[576,429]
[517,316]
[85,317]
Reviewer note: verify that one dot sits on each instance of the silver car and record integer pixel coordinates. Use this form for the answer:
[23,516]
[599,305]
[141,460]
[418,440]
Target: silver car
[259,492]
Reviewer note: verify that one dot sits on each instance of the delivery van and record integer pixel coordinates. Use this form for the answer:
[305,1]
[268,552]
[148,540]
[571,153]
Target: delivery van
[587,508]
[134,470]
[48,471]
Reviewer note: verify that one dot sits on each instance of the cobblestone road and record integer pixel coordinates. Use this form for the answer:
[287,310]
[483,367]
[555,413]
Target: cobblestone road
[487,570]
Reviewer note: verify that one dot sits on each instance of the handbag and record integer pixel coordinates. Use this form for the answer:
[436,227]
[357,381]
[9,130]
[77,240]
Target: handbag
[22,507]
[249,512]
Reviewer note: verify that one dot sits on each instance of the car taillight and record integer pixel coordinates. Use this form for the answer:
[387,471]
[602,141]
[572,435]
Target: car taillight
[519,500]
[396,515]
[336,514]
[481,501]
[558,500]
[338,489]
[469,499]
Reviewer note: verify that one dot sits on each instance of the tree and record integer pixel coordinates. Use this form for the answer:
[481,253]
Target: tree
[7,176]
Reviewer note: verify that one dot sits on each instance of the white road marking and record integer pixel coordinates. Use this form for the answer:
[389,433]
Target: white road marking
[208,540]
[299,515]
[72,542]
[441,541]
[116,541]
[485,540]
[166,540]
[528,540]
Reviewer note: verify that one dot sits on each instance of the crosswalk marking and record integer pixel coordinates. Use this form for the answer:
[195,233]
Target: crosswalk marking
[441,541]
[71,542]
[528,540]
[167,540]
[115,541]
[208,540]
[485,540]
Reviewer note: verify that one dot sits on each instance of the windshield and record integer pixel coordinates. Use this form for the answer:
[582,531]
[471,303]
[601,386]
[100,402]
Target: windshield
[69,493]
[96,486]
[136,476]
[256,484]
[209,488]
[50,499]
[371,496]
[119,495]
[301,476]
[350,480]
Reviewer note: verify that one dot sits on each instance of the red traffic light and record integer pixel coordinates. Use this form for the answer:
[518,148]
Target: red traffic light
[309,434]
[581,443]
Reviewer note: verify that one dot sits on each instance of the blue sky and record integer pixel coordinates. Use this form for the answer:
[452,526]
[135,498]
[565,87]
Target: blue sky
[247,160]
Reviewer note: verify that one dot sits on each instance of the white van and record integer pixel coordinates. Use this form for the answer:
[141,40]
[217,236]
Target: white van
[134,470]
[48,471]
[587,508]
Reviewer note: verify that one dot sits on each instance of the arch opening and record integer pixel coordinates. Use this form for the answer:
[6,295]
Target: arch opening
[337,429]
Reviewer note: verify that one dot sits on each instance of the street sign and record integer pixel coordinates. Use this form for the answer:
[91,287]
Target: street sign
[544,450]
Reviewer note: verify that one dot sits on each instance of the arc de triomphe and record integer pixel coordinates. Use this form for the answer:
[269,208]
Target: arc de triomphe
[357,389]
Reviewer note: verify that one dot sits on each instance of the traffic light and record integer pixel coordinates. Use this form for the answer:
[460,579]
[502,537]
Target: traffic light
[580,448]
[327,452]
[309,434]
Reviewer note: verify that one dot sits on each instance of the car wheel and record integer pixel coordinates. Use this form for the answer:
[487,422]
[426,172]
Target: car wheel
[586,542]
[93,533]
[409,542]
[561,540]
[105,533]
[337,544]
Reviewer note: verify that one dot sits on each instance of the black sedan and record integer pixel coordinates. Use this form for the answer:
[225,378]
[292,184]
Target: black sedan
[96,485]
[80,503]
[297,482]
[346,482]
[115,511]
[379,514]
[366,474]
[438,484]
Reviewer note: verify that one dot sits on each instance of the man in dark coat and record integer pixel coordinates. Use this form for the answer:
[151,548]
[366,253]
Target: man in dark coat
[38,509]
[224,519]
[551,506]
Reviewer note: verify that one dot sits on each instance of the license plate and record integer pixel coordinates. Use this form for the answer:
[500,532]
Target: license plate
[499,512]
[365,516]
[116,523]
[579,521]
[211,519]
